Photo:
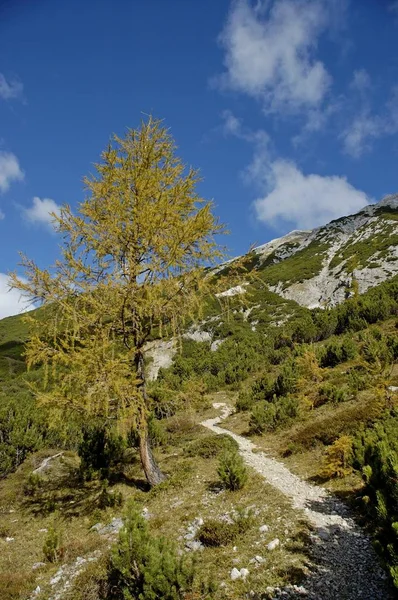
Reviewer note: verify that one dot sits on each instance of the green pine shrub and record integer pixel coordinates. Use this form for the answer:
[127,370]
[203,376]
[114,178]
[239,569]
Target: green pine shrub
[244,402]
[33,484]
[268,416]
[146,567]
[232,470]
[376,453]
[52,549]
[109,498]
[100,450]
[331,393]
[211,446]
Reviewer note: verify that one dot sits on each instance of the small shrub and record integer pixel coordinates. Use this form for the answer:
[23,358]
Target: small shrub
[156,432]
[211,446]
[109,498]
[268,416]
[215,533]
[52,546]
[338,458]
[232,470]
[263,417]
[331,393]
[147,567]
[33,484]
[287,381]
[181,423]
[99,451]
[245,402]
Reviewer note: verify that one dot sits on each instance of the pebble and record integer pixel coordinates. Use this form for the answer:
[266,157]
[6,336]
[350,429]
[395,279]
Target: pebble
[274,544]
[344,563]
[244,573]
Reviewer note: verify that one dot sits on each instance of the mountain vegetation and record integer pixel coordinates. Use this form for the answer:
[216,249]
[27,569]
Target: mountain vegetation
[314,383]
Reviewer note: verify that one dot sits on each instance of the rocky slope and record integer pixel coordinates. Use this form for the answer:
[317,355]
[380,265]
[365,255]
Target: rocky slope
[317,268]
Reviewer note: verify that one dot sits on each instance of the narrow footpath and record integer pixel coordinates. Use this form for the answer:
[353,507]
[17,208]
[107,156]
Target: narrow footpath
[345,566]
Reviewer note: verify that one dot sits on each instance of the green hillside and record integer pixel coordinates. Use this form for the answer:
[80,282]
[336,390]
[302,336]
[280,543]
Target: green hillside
[313,386]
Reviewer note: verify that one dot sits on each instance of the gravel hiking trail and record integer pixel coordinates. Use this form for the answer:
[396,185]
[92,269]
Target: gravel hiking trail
[344,564]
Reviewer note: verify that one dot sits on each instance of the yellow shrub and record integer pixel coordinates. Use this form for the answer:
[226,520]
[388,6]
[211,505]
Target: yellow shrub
[336,460]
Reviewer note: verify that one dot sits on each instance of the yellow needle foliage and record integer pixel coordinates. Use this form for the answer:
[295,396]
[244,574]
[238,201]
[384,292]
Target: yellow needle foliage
[133,267]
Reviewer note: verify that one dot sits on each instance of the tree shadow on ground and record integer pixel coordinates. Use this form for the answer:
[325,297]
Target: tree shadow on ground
[64,489]
[344,564]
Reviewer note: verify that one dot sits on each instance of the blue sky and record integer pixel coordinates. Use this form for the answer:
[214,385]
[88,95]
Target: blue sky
[288,107]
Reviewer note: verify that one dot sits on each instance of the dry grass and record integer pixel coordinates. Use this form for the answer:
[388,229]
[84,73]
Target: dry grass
[190,491]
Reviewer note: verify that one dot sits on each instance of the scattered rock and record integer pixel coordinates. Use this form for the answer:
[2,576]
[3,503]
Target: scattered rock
[274,544]
[10,539]
[343,563]
[235,574]
[38,565]
[44,466]
[263,529]
[113,528]
[244,573]
[194,546]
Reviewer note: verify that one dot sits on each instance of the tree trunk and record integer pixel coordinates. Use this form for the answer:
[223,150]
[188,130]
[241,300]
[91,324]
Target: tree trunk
[151,469]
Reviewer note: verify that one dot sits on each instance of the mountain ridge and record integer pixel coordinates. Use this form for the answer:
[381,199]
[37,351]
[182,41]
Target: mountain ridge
[340,253]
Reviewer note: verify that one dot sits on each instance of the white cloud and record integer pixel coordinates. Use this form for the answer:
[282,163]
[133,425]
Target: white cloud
[9,170]
[304,201]
[269,53]
[10,89]
[288,198]
[366,126]
[362,130]
[11,301]
[40,211]
[360,80]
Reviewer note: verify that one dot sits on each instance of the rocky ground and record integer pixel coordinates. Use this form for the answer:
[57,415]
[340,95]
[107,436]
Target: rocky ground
[345,566]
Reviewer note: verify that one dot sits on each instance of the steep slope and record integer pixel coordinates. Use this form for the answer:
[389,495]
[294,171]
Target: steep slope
[317,268]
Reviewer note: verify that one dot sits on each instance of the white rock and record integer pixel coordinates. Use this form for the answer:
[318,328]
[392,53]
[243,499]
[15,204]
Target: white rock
[259,559]
[235,574]
[263,529]
[244,573]
[274,544]
[38,565]
[194,545]
[10,539]
[44,530]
